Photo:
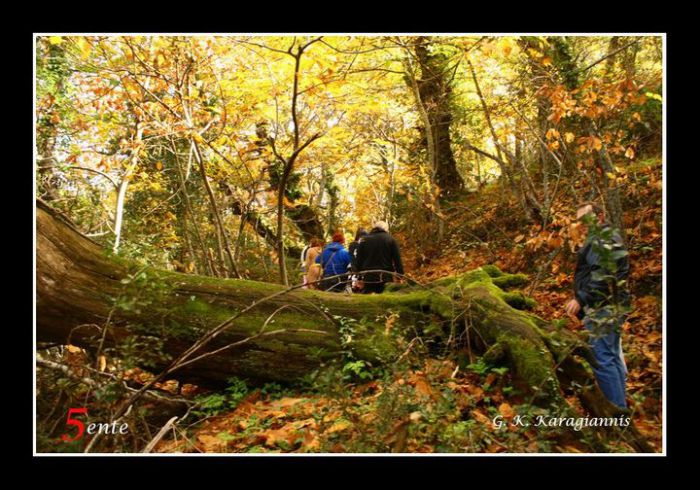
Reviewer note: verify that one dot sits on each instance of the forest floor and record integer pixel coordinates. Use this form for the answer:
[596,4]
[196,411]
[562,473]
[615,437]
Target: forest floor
[438,405]
[551,281]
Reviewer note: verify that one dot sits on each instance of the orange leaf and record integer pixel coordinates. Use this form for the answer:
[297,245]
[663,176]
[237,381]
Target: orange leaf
[423,387]
[480,417]
[339,426]
[552,134]
[506,410]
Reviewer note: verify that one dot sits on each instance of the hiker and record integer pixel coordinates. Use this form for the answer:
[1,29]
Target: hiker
[313,270]
[334,260]
[378,251]
[595,304]
[352,250]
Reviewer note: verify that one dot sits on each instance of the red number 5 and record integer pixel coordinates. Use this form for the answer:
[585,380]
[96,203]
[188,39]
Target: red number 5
[78,423]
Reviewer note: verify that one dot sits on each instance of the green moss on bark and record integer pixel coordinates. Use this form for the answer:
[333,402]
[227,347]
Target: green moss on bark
[510,280]
[518,300]
[534,365]
[492,270]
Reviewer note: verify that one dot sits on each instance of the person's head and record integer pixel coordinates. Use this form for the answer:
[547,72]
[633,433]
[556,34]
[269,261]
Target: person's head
[338,237]
[316,242]
[587,208]
[382,225]
[360,233]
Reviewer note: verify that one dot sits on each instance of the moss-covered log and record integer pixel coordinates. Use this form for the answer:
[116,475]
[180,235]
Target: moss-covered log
[81,289]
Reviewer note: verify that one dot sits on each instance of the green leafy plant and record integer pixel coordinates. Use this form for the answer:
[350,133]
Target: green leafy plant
[216,403]
[357,369]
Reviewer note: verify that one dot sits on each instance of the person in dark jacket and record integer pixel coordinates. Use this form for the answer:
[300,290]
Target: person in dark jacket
[378,251]
[352,248]
[334,260]
[601,305]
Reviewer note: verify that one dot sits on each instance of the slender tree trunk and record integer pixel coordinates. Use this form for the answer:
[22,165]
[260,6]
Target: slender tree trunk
[221,230]
[478,172]
[119,212]
[288,164]
[46,162]
[613,46]
[506,168]
[124,185]
[333,200]
[613,202]
[48,123]
[281,261]
[189,213]
[392,187]
[188,243]
[629,61]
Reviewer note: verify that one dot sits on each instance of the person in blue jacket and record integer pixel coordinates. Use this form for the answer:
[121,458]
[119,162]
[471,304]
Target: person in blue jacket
[334,260]
[602,307]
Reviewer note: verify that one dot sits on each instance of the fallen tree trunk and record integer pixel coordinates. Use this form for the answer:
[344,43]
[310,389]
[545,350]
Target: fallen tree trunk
[86,297]
[80,286]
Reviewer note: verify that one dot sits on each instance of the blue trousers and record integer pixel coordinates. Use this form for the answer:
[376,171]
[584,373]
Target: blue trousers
[611,372]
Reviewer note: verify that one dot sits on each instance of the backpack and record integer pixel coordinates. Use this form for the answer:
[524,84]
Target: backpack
[330,261]
[304,253]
